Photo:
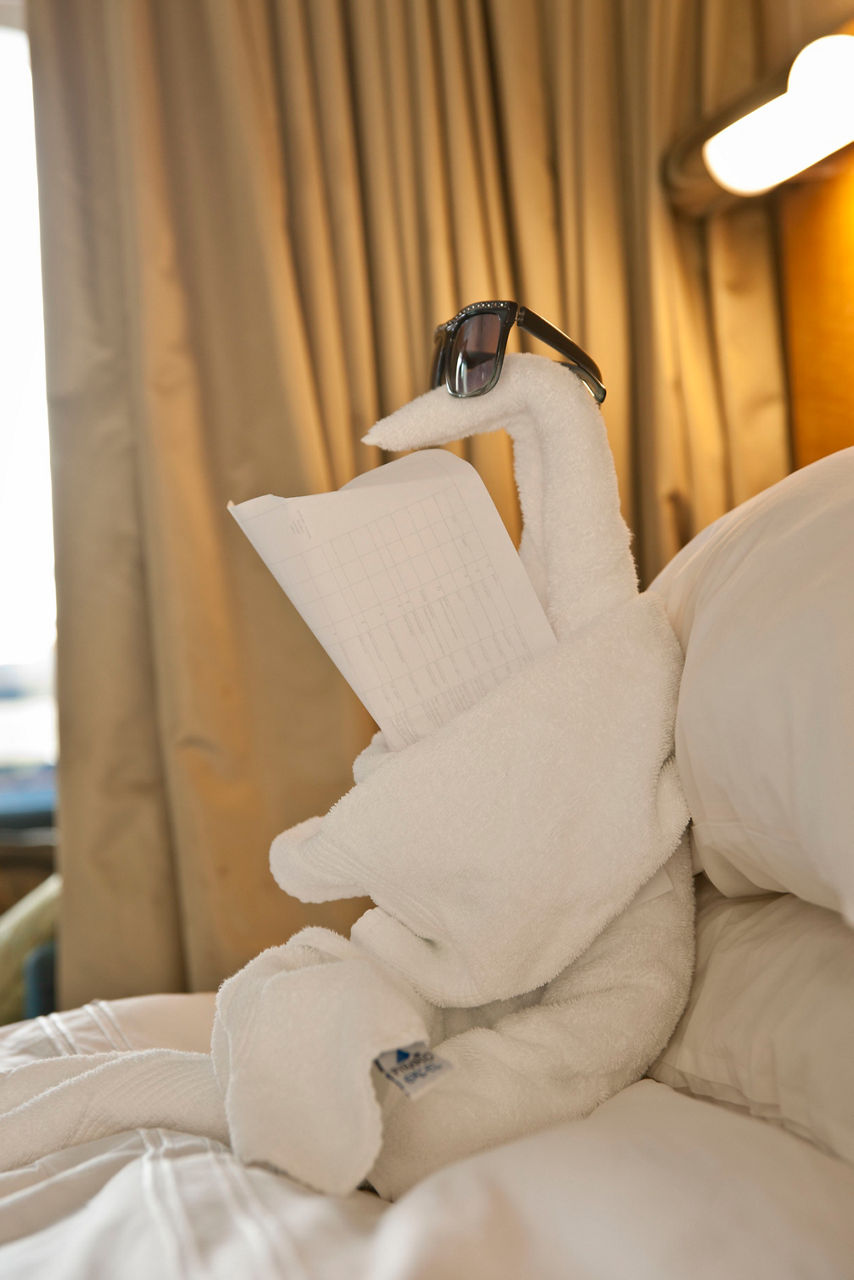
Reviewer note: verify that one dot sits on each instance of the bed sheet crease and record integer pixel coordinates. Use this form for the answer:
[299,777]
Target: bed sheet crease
[653,1184]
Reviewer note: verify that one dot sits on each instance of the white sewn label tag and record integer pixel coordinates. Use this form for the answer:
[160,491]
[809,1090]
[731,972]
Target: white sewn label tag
[414,1069]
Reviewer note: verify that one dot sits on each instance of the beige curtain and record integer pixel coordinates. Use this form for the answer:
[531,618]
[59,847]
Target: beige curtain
[254,212]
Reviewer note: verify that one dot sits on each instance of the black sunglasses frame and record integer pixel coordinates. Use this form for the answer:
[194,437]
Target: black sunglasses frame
[511,313]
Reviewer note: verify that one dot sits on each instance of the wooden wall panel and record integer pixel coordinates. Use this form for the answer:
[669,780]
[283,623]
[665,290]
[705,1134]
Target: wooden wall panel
[817,246]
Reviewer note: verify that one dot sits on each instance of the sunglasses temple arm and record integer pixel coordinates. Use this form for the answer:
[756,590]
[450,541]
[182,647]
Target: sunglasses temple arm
[540,328]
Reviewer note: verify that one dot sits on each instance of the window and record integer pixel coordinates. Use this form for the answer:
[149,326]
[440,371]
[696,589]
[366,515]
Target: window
[27,598]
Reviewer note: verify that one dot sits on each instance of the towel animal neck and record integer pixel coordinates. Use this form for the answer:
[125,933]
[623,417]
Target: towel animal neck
[534,909]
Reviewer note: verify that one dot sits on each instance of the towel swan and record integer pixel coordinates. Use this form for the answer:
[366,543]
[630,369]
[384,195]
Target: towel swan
[523,925]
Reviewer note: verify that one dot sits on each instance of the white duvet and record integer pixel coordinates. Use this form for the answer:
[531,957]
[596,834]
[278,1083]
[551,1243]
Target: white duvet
[652,1185]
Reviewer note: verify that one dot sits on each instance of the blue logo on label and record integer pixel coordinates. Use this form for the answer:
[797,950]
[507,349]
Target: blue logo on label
[402,1055]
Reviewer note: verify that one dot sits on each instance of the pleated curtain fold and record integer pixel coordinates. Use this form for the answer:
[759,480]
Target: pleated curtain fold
[254,212]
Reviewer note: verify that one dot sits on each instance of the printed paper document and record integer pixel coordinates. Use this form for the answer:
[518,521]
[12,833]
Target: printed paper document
[411,583]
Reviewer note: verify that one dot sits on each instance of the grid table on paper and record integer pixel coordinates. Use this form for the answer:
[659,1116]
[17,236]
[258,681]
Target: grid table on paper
[413,596]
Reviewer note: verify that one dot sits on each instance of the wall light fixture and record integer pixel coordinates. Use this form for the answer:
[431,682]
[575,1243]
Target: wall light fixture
[785,128]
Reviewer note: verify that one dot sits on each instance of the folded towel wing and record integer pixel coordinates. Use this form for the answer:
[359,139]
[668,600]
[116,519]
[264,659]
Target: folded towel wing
[498,847]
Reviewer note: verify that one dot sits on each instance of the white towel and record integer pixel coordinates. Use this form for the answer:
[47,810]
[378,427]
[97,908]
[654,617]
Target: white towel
[524,1064]
[294,1037]
[498,847]
[505,853]
[60,1102]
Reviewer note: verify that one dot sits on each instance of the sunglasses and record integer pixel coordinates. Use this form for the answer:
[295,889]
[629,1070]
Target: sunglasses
[469,350]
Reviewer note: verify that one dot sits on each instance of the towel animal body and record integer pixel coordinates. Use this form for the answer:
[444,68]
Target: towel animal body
[507,854]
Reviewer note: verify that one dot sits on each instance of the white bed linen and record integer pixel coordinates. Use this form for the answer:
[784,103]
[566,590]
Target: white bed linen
[139,1022]
[769,1025]
[653,1184]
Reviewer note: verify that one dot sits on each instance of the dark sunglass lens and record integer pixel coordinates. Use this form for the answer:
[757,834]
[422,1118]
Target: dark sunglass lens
[473,354]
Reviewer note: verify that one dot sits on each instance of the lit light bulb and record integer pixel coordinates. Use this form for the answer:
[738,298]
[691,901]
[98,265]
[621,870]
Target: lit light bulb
[811,120]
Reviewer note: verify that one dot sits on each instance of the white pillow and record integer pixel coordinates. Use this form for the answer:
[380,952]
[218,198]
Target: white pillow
[652,1186]
[763,603]
[770,1023]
